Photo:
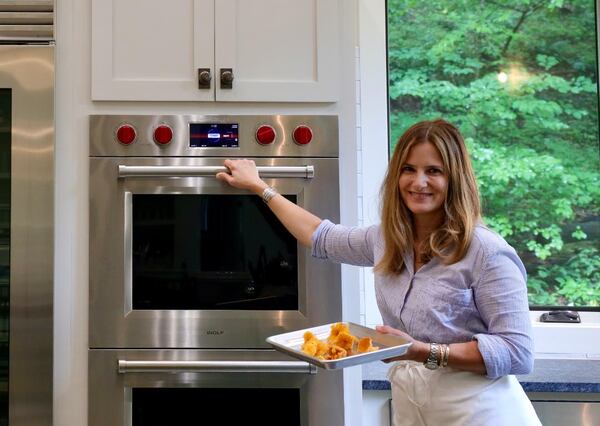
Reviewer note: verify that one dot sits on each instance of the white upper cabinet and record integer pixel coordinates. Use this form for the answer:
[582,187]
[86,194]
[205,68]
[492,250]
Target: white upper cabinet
[150,50]
[279,50]
[253,50]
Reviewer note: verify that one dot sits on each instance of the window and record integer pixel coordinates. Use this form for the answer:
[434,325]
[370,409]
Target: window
[519,78]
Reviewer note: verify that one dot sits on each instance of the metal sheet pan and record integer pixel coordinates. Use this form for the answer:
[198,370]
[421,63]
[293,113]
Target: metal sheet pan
[389,346]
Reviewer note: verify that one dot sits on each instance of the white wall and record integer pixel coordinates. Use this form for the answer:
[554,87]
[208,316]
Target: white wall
[373,133]
[73,106]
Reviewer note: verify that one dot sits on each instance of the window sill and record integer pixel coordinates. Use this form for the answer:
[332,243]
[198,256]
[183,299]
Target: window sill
[567,340]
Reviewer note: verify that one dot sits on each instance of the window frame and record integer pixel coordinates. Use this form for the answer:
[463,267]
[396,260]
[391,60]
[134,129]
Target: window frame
[552,340]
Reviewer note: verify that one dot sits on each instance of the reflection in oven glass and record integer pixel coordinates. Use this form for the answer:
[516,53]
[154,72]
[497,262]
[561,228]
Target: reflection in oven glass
[192,406]
[211,252]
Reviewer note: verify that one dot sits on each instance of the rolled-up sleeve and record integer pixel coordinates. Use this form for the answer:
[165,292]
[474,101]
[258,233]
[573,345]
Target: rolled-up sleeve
[501,298]
[344,244]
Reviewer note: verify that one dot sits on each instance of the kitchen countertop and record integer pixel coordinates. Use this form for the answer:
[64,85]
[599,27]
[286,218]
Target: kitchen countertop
[549,375]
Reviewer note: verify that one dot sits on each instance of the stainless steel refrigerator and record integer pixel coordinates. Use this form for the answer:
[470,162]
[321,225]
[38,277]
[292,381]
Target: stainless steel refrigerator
[26,211]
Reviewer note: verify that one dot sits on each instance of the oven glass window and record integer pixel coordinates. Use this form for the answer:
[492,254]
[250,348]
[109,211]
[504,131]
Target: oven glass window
[211,252]
[5,150]
[192,406]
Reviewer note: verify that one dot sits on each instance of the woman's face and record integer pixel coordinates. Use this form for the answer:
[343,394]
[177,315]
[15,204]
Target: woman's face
[424,182]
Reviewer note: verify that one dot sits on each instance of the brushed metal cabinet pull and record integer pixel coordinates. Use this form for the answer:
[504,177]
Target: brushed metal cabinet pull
[226,78]
[204,78]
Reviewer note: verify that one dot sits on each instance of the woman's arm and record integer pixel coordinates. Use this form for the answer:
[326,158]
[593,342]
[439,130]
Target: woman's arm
[299,222]
[462,356]
[501,299]
[466,356]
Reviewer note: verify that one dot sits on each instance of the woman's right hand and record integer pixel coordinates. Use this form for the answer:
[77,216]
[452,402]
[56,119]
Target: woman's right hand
[243,175]
[418,351]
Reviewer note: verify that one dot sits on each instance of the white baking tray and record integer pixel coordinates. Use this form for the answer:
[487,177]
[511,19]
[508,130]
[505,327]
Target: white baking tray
[389,346]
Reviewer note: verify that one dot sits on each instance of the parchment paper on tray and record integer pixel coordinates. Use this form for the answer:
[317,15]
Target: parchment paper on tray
[389,346]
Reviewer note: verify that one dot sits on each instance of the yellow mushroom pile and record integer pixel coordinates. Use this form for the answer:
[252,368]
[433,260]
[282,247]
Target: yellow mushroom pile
[339,344]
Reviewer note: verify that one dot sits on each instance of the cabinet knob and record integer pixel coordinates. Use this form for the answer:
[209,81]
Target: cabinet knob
[204,78]
[226,78]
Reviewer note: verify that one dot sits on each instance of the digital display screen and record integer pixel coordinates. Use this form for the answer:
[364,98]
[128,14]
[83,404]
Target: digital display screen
[214,135]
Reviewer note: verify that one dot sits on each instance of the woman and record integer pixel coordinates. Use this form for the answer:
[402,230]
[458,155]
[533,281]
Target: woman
[443,281]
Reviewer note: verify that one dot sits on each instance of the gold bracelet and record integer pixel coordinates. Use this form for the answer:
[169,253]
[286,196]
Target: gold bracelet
[446,355]
[440,354]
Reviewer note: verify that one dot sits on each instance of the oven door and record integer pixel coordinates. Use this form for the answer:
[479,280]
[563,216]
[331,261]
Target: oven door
[185,387]
[182,260]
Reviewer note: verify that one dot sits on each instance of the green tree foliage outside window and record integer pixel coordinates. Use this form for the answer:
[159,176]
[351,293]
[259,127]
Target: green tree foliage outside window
[519,78]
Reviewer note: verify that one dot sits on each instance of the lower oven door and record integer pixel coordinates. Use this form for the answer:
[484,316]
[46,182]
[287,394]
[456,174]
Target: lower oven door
[185,261]
[210,387]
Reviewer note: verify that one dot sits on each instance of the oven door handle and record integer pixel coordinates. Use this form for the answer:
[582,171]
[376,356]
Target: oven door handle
[216,367]
[306,172]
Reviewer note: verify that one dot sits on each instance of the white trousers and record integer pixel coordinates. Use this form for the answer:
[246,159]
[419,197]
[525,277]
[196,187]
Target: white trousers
[452,397]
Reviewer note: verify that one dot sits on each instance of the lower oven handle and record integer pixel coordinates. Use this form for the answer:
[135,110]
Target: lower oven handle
[306,172]
[216,367]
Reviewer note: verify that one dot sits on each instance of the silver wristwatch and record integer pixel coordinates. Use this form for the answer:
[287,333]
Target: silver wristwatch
[431,362]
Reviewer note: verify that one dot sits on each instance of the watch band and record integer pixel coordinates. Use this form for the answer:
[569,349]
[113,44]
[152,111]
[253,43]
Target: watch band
[433,362]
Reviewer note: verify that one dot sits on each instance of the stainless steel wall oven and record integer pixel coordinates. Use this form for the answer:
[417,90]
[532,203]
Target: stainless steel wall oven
[188,276]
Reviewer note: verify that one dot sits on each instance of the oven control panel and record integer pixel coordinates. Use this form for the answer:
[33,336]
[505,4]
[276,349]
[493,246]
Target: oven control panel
[206,135]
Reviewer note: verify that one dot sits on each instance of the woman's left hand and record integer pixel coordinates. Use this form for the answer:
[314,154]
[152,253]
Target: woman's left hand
[418,351]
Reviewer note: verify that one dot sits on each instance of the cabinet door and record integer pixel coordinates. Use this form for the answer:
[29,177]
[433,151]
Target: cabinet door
[151,50]
[279,50]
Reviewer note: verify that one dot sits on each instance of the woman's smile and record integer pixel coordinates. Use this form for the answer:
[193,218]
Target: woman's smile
[420,195]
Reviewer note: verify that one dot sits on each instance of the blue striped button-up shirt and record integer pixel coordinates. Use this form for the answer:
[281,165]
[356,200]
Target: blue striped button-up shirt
[482,297]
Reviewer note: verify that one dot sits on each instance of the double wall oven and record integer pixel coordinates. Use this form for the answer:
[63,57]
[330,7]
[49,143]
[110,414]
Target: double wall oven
[188,276]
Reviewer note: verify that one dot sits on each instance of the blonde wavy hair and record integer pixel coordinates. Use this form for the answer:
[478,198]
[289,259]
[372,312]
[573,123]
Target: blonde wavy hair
[451,240]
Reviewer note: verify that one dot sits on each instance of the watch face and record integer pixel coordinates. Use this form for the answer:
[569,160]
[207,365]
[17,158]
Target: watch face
[431,365]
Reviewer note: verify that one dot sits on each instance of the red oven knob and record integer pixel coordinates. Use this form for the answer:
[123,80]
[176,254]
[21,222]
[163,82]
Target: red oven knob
[302,135]
[265,134]
[126,134]
[163,134]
